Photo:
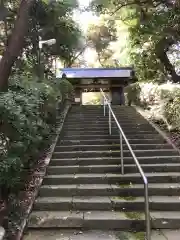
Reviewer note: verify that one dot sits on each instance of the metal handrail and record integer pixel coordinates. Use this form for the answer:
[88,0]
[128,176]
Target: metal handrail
[123,136]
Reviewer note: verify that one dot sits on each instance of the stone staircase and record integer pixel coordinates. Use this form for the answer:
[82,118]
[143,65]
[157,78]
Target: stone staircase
[84,188]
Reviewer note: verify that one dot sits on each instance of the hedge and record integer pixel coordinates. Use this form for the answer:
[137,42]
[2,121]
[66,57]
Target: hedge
[27,119]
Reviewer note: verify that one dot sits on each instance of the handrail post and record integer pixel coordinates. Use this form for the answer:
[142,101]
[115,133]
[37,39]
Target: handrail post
[121,152]
[110,129]
[104,106]
[147,212]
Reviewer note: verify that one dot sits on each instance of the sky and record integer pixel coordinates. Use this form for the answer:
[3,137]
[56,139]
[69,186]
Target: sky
[84,18]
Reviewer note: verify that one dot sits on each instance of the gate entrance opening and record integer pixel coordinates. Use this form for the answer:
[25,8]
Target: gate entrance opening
[111,80]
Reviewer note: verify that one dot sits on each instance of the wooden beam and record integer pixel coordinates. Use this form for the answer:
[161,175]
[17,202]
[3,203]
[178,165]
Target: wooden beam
[87,86]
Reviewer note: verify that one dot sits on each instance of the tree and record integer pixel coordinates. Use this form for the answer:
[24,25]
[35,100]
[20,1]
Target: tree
[100,36]
[15,43]
[35,20]
[154,29]
[69,44]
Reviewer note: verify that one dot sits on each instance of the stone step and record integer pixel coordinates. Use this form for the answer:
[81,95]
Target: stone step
[115,153]
[88,121]
[101,113]
[101,110]
[105,124]
[104,119]
[86,112]
[84,187]
[113,160]
[97,119]
[103,220]
[86,220]
[113,136]
[170,177]
[109,141]
[106,131]
[61,234]
[126,190]
[105,203]
[172,167]
[95,127]
[106,147]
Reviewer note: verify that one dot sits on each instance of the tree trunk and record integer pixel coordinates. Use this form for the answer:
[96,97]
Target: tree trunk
[161,51]
[15,43]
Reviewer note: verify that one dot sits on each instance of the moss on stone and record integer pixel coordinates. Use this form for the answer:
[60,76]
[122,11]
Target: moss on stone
[122,236]
[128,198]
[134,215]
[125,185]
[139,236]
[130,236]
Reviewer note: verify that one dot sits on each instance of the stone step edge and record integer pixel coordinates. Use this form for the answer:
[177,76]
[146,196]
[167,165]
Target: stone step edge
[128,136]
[114,186]
[113,158]
[119,174]
[109,175]
[103,234]
[113,145]
[106,139]
[113,166]
[112,151]
[109,199]
[163,219]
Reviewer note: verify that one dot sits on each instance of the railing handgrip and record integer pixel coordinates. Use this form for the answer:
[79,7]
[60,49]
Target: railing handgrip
[123,136]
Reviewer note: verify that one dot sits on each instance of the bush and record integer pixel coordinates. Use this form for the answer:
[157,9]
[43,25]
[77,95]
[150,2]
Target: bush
[172,110]
[162,101]
[27,119]
[132,93]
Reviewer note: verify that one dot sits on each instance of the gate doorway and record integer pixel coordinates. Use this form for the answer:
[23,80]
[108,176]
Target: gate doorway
[88,81]
[93,98]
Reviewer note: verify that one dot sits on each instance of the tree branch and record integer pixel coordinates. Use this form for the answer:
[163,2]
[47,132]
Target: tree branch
[135,2]
[161,51]
[75,57]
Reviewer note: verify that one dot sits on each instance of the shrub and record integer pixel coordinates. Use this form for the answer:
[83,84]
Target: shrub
[132,93]
[162,101]
[27,119]
[172,110]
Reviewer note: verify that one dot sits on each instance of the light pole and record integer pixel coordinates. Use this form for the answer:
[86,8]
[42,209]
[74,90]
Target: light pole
[48,42]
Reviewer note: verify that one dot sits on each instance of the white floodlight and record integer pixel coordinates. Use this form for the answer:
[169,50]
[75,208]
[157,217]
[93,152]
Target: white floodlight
[48,42]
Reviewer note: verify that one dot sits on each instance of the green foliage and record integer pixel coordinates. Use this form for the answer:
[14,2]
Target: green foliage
[172,109]
[27,119]
[153,32]
[133,93]
[100,36]
[56,22]
[47,20]
[66,89]
[161,101]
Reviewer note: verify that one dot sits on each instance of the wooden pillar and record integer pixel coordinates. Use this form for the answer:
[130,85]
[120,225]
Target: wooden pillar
[117,95]
[78,96]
